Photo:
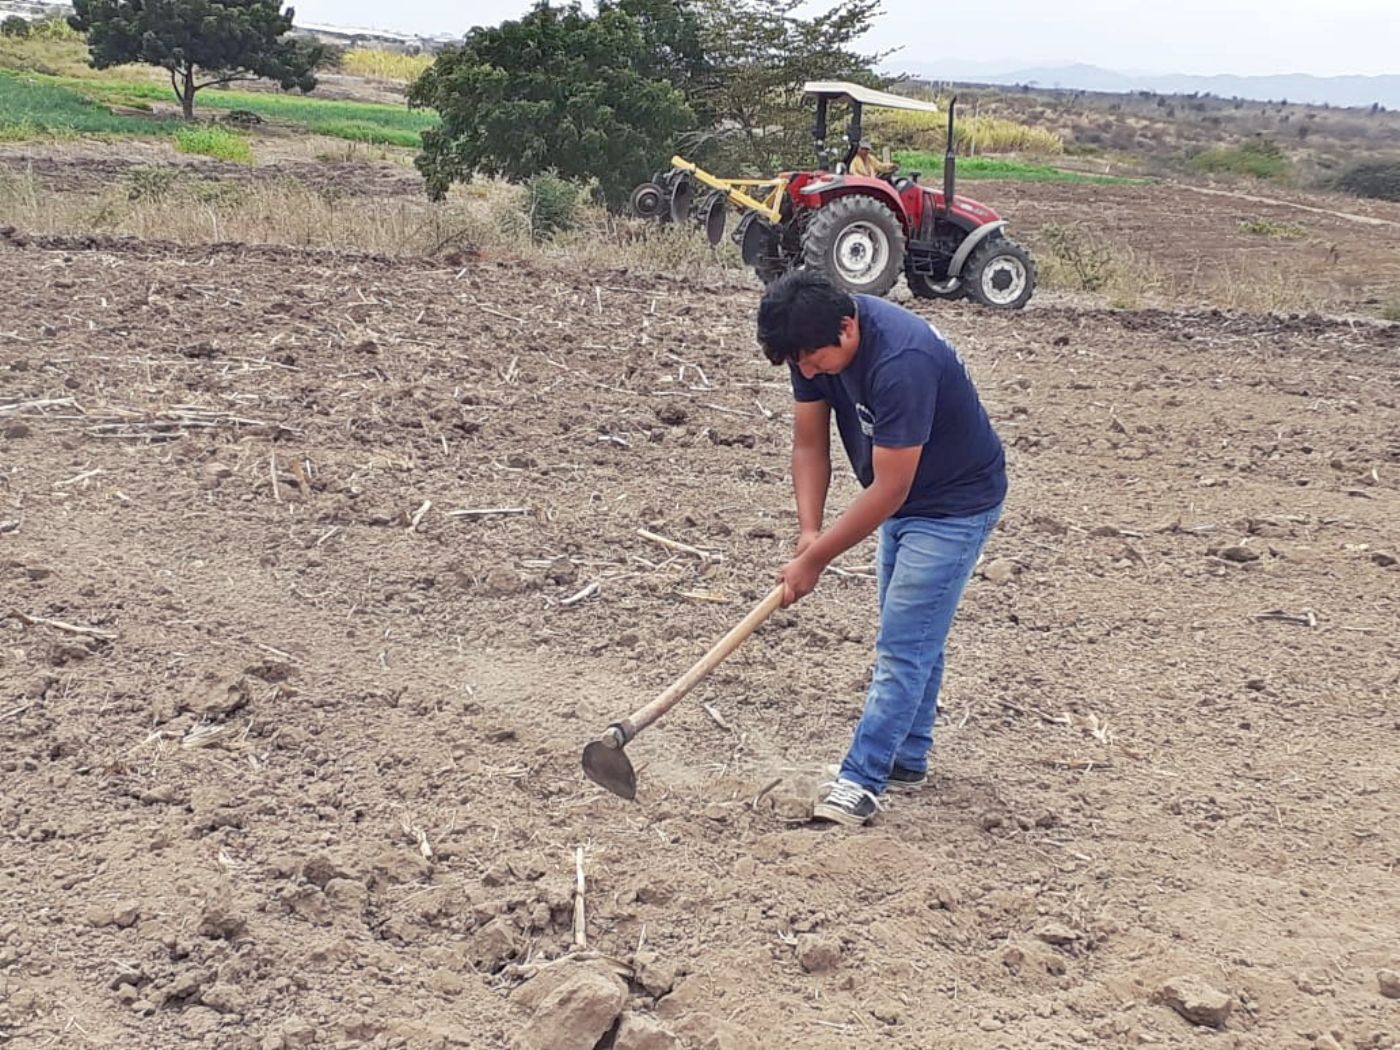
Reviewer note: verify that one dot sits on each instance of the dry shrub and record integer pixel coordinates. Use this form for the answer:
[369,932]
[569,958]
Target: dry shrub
[1274,289]
[1075,257]
[165,204]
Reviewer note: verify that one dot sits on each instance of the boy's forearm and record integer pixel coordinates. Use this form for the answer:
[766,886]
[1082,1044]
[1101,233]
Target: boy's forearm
[870,510]
[811,476]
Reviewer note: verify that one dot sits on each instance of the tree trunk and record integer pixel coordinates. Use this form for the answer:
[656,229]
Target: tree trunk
[187,95]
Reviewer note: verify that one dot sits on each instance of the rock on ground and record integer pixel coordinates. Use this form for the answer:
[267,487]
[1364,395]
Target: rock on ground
[576,1014]
[1389,982]
[1197,1001]
[1000,570]
[638,1032]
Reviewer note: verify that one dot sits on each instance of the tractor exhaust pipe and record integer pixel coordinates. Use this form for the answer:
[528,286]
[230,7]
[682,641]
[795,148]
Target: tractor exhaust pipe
[950,161]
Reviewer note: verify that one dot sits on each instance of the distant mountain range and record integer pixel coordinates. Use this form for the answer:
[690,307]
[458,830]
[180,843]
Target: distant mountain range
[1295,87]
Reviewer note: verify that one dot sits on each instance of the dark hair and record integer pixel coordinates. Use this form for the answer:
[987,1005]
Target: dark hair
[801,312]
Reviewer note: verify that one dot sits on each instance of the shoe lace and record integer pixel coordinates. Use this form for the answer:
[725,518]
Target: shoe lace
[849,794]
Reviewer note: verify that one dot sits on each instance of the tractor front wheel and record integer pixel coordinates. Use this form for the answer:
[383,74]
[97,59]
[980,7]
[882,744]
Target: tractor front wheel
[857,242]
[1000,273]
[924,287]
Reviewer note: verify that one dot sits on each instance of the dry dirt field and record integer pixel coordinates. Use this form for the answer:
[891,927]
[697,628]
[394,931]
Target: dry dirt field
[308,773]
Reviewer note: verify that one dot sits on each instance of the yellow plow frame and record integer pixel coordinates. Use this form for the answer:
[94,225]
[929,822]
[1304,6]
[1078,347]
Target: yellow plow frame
[767,204]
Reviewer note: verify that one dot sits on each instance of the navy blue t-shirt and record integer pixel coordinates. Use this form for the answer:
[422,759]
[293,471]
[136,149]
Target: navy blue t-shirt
[907,386]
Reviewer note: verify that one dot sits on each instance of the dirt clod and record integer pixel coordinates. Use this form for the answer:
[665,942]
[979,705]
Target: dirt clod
[1388,981]
[1239,554]
[1197,1001]
[639,1032]
[1056,933]
[818,953]
[658,976]
[1000,570]
[576,1014]
[494,945]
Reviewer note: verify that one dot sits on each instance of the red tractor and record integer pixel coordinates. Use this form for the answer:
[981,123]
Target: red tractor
[863,232]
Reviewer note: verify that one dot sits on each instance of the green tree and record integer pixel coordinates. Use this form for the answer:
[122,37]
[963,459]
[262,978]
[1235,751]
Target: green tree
[583,95]
[758,54]
[200,42]
[14,26]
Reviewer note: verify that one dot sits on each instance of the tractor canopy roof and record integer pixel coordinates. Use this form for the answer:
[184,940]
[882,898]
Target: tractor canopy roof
[866,96]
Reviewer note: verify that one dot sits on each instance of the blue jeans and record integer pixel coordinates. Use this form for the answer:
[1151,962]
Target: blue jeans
[924,566]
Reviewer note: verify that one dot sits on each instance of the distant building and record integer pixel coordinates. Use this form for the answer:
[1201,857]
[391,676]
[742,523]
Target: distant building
[382,39]
[32,10]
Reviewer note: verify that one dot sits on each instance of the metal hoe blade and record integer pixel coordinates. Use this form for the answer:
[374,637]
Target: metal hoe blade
[610,767]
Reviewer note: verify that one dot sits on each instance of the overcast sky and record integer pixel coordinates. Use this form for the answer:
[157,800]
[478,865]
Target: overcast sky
[1186,36]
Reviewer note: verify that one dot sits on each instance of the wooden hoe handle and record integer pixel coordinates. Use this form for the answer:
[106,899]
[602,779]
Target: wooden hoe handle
[645,716]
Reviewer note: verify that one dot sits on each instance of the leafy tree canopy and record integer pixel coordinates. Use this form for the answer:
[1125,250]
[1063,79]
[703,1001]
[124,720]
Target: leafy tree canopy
[200,42]
[588,96]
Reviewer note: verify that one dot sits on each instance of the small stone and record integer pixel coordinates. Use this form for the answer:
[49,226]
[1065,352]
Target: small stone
[347,895]
[297,1033]
[219,923]
[818,954]
[127,994]
[1389,983]
[215,473]
[143,1007]
[1197,1001]
[888,1011]
[186,985]
[494,945]
[639,1032]
[1326,1042]
[1000,570]
[1239,554]
[1383,559]
[1056,933]
[576,1014]
[125,915]
[658,977]
[497,874]
[1080,1035]
[225,998]
[217,698]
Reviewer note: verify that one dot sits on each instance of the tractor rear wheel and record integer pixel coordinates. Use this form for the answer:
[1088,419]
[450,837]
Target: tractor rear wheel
[999,273]
[857,242]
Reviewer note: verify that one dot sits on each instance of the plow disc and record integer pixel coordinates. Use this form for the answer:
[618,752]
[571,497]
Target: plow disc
[713,217]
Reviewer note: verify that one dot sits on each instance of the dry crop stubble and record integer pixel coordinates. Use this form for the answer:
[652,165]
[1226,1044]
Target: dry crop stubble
[1167,749]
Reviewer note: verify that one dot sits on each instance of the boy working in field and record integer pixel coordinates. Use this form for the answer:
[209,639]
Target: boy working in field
[934,476]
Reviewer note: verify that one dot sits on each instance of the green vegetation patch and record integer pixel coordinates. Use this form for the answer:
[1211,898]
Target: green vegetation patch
[1261,159]
[215,142]
[47,88]
[35,107]
[996,168]
[1265,228]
